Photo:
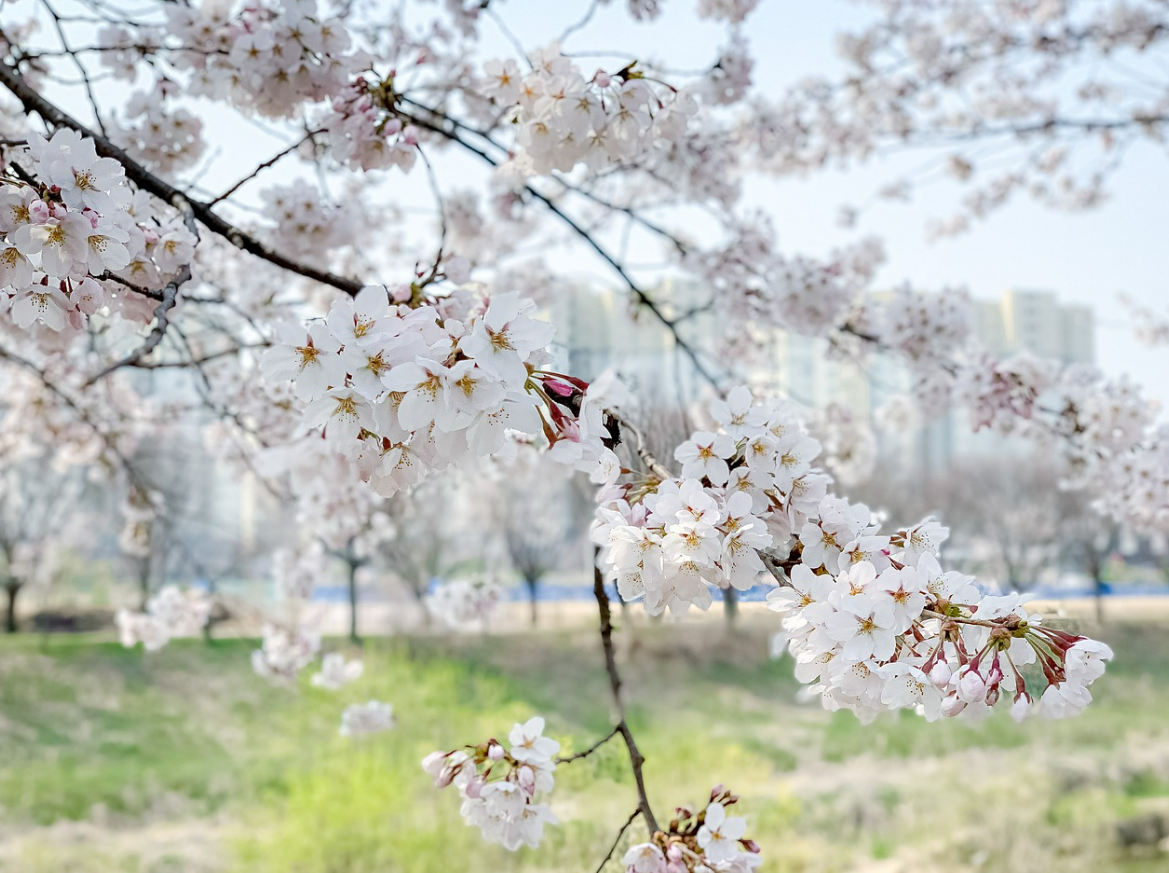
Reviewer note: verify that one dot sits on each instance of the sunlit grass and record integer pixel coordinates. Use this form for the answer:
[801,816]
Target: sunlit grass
[184,760]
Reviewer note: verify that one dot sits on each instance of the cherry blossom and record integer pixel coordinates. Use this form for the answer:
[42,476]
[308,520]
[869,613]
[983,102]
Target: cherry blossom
[336,672]
[360,719]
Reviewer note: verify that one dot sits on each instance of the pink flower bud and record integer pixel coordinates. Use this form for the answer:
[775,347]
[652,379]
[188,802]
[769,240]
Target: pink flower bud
[527,780]
[474,787]
[971,685]
[940,675]
[38,211]
[495,752]
[674,853]
[602,79]
[952,705]
[401,294]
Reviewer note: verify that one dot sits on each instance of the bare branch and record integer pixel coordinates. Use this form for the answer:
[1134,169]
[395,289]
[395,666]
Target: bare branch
[617,841]
[636,759]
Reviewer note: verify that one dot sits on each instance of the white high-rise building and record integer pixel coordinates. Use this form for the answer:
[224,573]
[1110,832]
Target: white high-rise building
[596,330]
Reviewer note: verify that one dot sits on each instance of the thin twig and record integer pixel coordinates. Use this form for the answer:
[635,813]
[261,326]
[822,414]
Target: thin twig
[642,296]
[271,162]
[579,755]
[636,759]
[617,842]
[170,298]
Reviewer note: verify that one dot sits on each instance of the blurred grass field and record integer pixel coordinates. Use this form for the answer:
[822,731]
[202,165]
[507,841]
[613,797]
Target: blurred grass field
[183,760]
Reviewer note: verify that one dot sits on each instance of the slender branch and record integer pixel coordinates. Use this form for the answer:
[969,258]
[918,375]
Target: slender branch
[642,296]
[617,841]
[636,759]
[170,299]
[271,162]
[32,101]
[197,361]
[107,440]
[570,758]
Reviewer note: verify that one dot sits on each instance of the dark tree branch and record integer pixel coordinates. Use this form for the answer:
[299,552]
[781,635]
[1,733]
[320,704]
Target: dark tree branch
[579,755]
[617,841]
[636,759]
[32,101]
[170,298]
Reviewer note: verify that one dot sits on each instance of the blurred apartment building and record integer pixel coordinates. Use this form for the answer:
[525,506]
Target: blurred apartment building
[597,329]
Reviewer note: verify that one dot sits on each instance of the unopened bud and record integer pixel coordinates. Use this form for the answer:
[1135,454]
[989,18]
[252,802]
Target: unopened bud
[971,685]
[952,705]
[940,675]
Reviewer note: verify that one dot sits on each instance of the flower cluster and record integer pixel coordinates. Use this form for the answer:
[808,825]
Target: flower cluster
[500,786]
[877,624]
[734,11]
[266,59]
[303,222]
[404,388]
[366,718]
[564,119]
[762,286]
[364,135]
[160,136]
[1120,454]
[296,572]
[743,489]
[706,841]
[77,223]
[170,613]
[1052,94]
[463,603]
[872,620]
[284,652]
[336,672]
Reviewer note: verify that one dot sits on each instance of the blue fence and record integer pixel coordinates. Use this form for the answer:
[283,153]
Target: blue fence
[552,592]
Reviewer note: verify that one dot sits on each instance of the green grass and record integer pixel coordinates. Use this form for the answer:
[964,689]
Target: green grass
[184,760]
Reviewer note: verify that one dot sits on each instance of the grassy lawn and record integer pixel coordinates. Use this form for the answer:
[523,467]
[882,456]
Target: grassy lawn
[183,760]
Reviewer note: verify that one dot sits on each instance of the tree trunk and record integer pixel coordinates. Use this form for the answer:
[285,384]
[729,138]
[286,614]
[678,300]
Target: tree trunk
[12,587]
[1098,589]
[731,604]
[143,582]
[419,591]
[532,584]
[353,603]
[207,638]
